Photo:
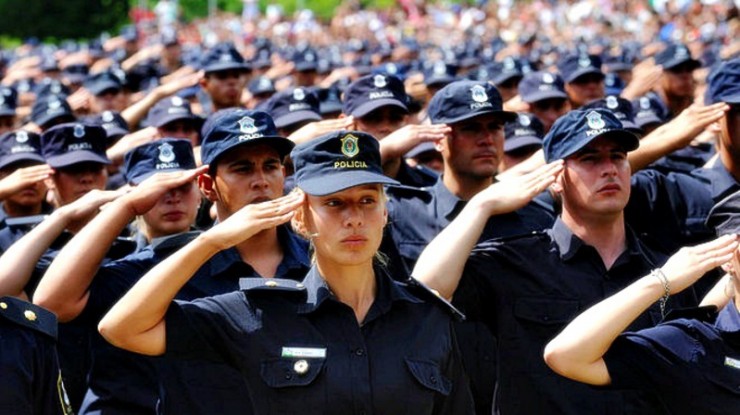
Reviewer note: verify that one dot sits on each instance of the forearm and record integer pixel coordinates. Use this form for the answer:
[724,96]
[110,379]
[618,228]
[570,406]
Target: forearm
[582,344]
[718,295]
[64,287]
[441,264]
[18,262]
[134,113]
[140,312]
[655,145]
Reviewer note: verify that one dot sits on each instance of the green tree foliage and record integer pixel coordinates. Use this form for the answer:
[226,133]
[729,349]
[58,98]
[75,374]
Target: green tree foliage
[61,19]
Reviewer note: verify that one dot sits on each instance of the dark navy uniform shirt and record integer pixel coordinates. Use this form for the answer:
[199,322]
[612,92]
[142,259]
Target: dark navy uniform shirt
[302,351]
[418,215]
[527,289]
[694,366]
[197,384]
[30,380]
[685,160]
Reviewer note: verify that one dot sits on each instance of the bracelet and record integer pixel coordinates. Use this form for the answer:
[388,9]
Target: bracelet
[658,273]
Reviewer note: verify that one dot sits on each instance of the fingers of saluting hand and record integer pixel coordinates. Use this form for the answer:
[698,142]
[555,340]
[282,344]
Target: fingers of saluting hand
[717,252]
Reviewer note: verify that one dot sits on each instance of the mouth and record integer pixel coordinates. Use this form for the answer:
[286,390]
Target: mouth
[610,188]
[174,215]
[354,240]
[260,199]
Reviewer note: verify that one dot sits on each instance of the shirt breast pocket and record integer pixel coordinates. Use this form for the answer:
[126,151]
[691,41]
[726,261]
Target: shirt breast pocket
[294,385]
[430,383]
[543,317]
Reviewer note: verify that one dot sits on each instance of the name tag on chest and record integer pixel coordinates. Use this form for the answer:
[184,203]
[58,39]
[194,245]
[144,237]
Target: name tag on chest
[733,363]
[304,352]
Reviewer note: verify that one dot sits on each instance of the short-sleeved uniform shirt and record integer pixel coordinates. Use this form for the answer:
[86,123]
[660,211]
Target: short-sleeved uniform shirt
[693,365]
[301,351]
[526,290]
[197,384]
[31,382]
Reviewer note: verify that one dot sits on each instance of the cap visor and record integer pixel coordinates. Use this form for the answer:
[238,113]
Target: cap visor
[296,117]
[140,178]
[333,183]
[226,66]
[585,71]
[507,116]
[15,158]
[627,138]
[543,95]
[281,144]
[75,157]
[172,117]
[371,106]
[521,142]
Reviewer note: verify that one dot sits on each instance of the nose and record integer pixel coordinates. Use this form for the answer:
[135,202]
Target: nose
[353,217]
[609,167]
[173,196]
[260,180]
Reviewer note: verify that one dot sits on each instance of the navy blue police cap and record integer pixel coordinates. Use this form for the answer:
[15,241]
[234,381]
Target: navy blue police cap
[647,110]
[525,131]
[329,100]
[371,92]
[305,60]
[8,101]
[542,85]
[166,155]
[168,110]
[230,128]
[223,57]
[71,143]
[724,83]
[575,65]
[52,108]
[399,70]
[462,100]
[576,129]
[439,73]
[293,106]
[725,216]
[505,70]
[620,107]
[102,82]
[675,55]
[113,123]
[261,85]
[338,161]
[613,84]
[50,86]
[619,63]
[262,59]
[76,73]
[20,145]
[420,149]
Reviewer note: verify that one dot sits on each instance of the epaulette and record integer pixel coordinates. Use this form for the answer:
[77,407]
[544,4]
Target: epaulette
[499,240]
[707,313]
[403,191]
[434,296]
[270,284]
[173,242]
[28,315]
[25,220]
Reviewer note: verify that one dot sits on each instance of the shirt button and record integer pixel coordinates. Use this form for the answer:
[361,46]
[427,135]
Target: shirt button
[360,352]
[433,379]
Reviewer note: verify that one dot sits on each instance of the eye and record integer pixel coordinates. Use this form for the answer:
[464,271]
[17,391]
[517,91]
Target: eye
[368,200]
[332,203]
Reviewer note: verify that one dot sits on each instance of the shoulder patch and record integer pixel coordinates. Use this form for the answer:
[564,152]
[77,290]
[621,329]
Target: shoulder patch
[28,315]
[407,192]
[432,295]
[494,242]
[270,284]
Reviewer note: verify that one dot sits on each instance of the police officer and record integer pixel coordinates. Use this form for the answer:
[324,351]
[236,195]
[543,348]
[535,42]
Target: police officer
[526,288]
[584,80]
[226,75]
[328,344]
[22,174]
[77,288]
[677,85]
[546,96]
[31,381]
[692,364]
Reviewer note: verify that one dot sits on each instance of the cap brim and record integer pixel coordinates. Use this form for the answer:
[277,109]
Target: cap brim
[647,120]
[226,66]
[47,119]
[172,117]
[500,79]
[296,117]
[102,87]
[333,183]
[281,144]
[585,71]
[419,149]
[543,95]
[517,143]
[627,138]
[81,156]
[371,106]
[330,107]
[695,64]
[114,132]
[15,158]
[138,179]
[507,116]
[618,67]
[7,112]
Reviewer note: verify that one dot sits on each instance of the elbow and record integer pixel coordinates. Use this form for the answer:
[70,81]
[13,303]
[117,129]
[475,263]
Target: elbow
[64,312]
[109,331]
[556,358]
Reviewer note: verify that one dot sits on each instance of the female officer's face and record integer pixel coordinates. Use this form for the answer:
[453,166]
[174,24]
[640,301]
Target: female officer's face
[174,212]
[347,225]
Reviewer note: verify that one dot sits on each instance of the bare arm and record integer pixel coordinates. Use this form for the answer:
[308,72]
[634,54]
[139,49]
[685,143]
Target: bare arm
[396,144]
[441,264]
[136,112]
[64,289]
[18,262]
[136,322]
[22,178]
[578,352]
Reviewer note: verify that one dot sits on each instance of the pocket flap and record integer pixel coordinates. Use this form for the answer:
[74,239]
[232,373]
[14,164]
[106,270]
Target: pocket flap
[429,375]
[545,310]
[284,373]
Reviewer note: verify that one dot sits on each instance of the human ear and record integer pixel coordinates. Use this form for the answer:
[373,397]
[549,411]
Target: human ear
[206,185]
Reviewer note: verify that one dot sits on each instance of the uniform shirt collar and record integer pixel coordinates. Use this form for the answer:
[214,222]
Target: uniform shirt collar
[447,204]
[569,244]
[388,292]
[722,182]
[728,320]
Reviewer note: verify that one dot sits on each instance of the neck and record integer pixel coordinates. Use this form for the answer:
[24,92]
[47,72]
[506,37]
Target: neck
[731,162]
[13,210]
[262,252]
[606,235]
[353,285]
[464,186]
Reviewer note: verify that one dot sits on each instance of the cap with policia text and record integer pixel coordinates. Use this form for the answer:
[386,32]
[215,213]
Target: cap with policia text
[167,155]
[462,100]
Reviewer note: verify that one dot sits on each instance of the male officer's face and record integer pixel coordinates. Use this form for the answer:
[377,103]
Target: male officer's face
[72,182]
[596,180]
[184,129]
[679,81]
[225,87]
[584,89]
[108,100]
[244,175]
[549,110]
[475,147]
[382,121]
